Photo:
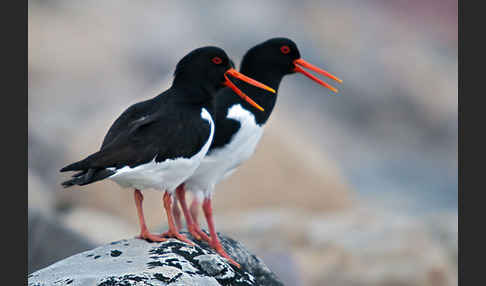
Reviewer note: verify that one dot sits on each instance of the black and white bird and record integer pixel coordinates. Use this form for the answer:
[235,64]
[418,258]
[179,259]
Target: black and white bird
[239,127]
[158,143]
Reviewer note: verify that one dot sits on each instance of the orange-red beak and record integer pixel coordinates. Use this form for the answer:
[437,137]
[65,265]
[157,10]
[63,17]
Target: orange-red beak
[244,78]
[300,63]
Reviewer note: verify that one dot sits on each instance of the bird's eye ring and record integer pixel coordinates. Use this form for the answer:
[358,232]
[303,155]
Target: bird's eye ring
[285,49]
[217,60]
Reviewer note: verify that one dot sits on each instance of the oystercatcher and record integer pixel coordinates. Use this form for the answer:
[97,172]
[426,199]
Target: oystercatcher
[239,127]
[158,143]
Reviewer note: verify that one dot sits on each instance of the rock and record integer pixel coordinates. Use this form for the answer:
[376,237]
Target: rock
[138,262]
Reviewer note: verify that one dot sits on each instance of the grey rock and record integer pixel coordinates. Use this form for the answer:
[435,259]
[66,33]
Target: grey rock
[138,262]
[213,265]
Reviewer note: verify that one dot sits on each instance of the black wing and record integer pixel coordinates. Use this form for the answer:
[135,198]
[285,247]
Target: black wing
[132,115]
[163,135]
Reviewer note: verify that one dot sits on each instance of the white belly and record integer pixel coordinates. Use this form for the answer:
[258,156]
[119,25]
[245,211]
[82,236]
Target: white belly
[223,161]
[166,175]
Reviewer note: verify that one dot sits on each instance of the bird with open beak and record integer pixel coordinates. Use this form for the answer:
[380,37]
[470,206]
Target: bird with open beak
[239,127]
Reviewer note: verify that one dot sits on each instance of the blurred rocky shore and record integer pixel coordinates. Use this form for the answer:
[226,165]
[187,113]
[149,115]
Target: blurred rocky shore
[354,246]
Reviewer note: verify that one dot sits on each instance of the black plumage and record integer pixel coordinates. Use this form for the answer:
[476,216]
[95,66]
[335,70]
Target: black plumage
[265,63]
[167,126]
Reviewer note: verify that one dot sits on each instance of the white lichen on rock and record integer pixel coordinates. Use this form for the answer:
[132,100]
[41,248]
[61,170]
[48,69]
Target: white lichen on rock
[138,262]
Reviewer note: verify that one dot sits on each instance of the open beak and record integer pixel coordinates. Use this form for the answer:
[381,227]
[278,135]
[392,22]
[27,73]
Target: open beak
[300,64]
[244,78]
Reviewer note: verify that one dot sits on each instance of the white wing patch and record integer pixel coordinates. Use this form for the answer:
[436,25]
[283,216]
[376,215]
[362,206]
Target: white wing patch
[223,161]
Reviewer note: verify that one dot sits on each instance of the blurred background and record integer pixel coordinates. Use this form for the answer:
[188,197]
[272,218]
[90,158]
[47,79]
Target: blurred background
[354,189]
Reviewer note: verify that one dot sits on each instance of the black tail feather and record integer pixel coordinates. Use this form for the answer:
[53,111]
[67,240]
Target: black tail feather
[78,166]
[87,177]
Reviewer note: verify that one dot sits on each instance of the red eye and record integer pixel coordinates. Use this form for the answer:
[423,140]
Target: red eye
[285,49]
[217,60]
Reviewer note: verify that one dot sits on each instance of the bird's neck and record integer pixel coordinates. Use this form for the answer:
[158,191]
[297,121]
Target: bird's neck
[193,93]
[267,75]
[265,99]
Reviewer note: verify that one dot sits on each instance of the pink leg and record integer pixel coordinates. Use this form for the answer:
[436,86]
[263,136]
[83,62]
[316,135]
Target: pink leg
[215,243]
[144,233]
[177,214]
[192,227]
[172,232]
[195,210]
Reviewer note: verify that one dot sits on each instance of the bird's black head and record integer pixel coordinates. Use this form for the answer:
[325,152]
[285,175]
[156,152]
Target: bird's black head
[278,57]
[207,69]
[203,68]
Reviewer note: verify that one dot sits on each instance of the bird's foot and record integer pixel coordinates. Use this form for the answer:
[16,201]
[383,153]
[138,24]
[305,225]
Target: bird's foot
[197,233]
[219,249]
[178,236]
[151,237]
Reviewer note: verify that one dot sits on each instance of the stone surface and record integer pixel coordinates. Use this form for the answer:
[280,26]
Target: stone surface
[138,262]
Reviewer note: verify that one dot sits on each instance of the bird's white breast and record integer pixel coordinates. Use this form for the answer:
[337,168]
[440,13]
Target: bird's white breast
[223,161]
[165,175]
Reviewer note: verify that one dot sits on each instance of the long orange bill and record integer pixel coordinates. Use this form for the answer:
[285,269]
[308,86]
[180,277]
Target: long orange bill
[251,81]
[301,63]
